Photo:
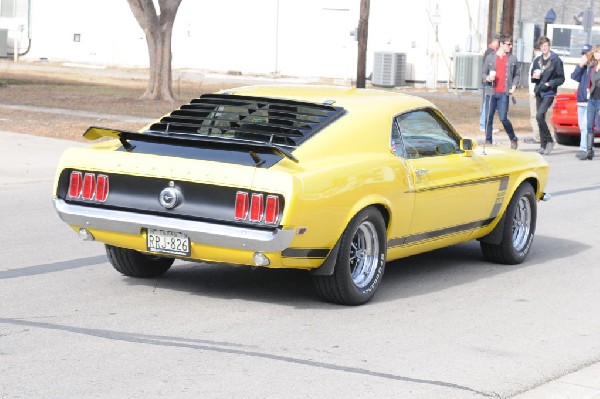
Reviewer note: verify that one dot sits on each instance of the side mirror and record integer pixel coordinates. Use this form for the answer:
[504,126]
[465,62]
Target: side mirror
[445,148]
[468,145]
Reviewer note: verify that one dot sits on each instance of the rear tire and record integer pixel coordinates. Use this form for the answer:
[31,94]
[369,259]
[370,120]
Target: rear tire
[518,229]
[136,264]
[567,139]
[360,261]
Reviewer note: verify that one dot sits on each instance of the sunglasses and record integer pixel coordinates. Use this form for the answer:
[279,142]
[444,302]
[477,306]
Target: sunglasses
[508,44]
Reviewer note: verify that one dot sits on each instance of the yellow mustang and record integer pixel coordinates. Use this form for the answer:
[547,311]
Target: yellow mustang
[332,180]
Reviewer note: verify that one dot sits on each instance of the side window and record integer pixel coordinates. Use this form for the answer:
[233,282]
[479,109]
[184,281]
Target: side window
[422,133]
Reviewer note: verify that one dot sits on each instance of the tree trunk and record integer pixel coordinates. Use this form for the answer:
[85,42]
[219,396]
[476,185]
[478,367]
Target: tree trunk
[158,31]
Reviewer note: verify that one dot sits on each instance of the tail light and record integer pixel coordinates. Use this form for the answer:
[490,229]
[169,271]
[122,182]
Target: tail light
[255,208]
[241,205]
[88,186]
[272,209]
[75,184]
[101,188]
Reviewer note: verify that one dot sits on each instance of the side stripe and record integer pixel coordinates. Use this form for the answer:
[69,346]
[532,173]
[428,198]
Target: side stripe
[429,235]
[321,253]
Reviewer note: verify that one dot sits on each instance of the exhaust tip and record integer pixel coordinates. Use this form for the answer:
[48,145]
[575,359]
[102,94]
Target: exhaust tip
[260,259]
[546,197]
[85,235]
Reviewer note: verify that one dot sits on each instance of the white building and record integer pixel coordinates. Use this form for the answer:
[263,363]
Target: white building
[286,37]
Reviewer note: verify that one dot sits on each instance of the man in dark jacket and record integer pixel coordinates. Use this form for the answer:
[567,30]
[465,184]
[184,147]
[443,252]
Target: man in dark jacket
[581,74]
[547,73]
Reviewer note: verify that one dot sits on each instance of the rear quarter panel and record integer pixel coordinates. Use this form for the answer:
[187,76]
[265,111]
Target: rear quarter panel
[340,172]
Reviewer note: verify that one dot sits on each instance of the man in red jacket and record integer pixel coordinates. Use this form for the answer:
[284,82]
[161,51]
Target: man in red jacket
[501,73]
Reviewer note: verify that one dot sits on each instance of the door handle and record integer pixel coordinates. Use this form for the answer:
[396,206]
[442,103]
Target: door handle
[421,172]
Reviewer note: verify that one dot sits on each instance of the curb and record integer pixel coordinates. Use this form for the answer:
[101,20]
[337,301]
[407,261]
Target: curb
[582,384]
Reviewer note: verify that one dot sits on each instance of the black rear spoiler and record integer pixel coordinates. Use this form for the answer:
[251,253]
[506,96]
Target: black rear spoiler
[95,133]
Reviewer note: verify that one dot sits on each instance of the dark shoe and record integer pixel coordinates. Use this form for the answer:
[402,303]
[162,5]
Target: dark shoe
[514,144]
[581,155]
[549,148]
[488,143]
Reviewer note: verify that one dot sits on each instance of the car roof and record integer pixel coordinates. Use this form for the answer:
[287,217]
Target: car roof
[352,99]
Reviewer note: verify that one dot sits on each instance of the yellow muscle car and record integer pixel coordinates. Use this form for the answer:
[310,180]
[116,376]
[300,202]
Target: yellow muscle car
[336,181]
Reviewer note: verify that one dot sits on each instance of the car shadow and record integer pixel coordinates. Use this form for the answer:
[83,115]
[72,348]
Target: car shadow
[463,264]
[404,278]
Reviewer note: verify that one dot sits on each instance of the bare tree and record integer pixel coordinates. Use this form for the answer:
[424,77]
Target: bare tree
[158,29]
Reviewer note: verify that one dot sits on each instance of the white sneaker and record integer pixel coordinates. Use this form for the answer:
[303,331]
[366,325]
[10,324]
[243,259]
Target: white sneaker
[549,148]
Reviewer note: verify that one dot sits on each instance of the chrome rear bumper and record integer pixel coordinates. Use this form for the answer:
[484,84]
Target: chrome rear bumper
[198,232]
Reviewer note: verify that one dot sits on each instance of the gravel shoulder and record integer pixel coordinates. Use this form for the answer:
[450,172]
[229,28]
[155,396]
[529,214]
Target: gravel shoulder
[62,102]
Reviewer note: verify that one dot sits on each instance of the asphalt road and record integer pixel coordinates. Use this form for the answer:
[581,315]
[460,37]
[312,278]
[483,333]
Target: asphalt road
[444,324]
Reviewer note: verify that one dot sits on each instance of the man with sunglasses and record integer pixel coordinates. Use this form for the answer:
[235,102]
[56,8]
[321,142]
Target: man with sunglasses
[501,74]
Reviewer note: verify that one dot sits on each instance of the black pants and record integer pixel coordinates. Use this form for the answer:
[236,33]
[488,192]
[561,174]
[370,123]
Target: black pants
[542,106]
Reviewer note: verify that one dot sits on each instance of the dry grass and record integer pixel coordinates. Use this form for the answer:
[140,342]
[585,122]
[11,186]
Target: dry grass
[120,97]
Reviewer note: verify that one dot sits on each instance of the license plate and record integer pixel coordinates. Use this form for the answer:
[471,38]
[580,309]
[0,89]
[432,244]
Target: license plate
[168,242]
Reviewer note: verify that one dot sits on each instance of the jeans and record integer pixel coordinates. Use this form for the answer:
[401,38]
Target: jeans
[499,101]
[484,111]
[535,129]
[582,121]
[543,104]
[592,113]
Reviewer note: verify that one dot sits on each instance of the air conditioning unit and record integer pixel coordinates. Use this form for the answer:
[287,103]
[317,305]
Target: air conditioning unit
[467,70]
[389,69]
[3,42]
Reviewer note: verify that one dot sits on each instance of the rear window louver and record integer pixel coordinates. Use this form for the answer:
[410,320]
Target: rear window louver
[248,119]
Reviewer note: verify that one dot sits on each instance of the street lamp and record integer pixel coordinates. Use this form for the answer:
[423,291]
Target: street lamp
[436,19]
[549,19]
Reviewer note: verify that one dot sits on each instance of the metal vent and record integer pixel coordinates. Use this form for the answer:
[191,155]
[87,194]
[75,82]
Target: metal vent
[248,119]
[467,70]
[389,69]
[3,42]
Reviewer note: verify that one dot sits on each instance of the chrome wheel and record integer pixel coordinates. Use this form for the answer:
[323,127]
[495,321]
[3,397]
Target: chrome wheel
[364,254]
[510,241]
[359,261]
[521,224]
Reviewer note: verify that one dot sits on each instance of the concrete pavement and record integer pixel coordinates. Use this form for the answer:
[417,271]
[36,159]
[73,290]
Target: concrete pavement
[581,384]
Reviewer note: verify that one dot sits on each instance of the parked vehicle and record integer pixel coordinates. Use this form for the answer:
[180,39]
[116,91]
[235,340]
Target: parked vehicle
[336,181]
[564,120]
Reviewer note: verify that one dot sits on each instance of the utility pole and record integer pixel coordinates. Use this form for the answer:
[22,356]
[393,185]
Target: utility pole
[508,16]
[363,31]
[588,21]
